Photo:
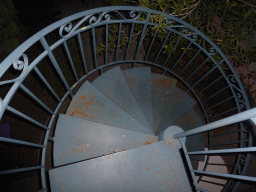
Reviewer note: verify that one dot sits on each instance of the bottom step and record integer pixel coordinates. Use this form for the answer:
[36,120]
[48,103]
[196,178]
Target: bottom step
[154,167]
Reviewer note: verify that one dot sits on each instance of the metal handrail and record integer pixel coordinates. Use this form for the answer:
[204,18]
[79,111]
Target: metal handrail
[104,17]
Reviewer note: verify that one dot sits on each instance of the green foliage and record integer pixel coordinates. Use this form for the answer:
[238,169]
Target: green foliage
[224,22]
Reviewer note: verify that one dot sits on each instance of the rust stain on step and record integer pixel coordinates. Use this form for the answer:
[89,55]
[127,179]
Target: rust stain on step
[130,81]
[92,117]
[87,103]
[169,143]
[147,143]
[190,119]
[81,97]
[162,82]
[78,112]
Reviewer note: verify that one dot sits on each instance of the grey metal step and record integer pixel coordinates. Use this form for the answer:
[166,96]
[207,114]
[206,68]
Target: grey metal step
[162,88]
[139,81]
[114,85]
[90,104]
[178,104]
[153,167]
[78,139]
[188,121]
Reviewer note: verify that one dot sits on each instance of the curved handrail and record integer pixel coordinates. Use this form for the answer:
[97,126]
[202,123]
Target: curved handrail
[101,17]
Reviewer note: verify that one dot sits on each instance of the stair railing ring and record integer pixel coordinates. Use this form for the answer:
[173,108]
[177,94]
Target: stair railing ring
[184,53]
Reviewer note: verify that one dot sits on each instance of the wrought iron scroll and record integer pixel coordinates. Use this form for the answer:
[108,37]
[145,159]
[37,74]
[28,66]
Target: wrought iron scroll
[19,64]
[93,20]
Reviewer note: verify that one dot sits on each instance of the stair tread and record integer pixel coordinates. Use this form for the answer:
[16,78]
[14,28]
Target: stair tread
[139,80]
[178,104]
[78,139]
[114,85]
[162,88]
[188,121]
[90,104]
[153,167]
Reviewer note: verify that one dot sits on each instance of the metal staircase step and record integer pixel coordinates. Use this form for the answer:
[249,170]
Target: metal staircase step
[139,80]
[90,104]
[78,139]
[178,104]
[162,88]
[153,167]
[114,85]
[188,121]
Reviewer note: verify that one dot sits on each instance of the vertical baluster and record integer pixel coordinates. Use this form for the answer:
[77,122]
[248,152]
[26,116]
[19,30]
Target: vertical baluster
[190,61]
[219,103]
[166,38]
[106,47]
[152,42]
[70,60]
[141,39]
[8,140]
[205,75]
[82,52]
[228,176]
[94,48]
[36,99]
[189,164]
[46,83]
[215,94]
[235,108]
[176,44]
[118,41]
[20,170]
[196,69]
[209,85]
[181,56]
[130,38]
[26,117]
[55,64]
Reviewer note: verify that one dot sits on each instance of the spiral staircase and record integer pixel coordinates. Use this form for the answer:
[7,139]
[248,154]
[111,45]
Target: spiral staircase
[138,118]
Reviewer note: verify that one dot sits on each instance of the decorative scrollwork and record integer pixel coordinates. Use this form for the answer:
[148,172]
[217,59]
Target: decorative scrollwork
[241,164]
[133,15]
[19,65]
[105,16]
[184,31]
[67,28]
[212,51]
[93,20]
[232,78]
[243,159]
[238,94]
[231,184]
[194,37]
